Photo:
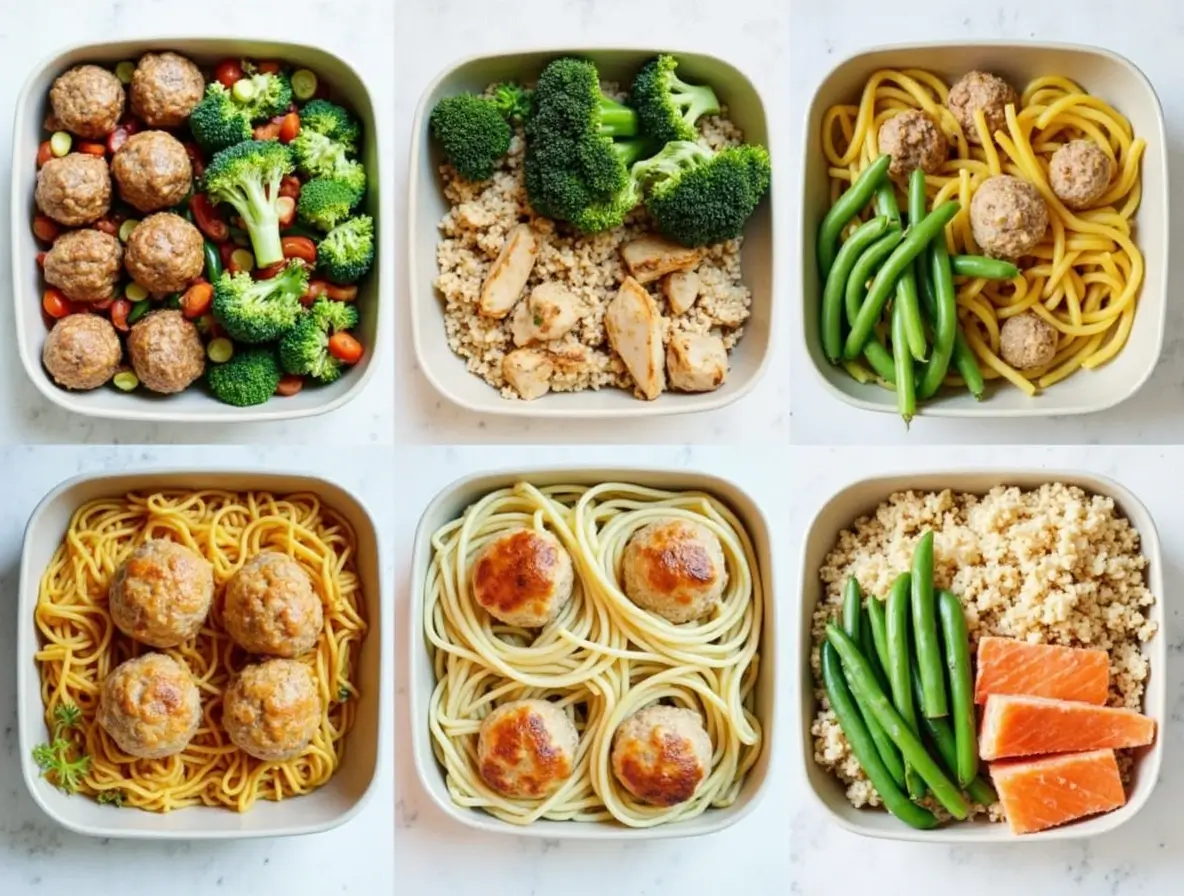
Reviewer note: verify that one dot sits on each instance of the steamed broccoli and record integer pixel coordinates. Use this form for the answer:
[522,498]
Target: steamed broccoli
[254,311]
[271,95]
[668,107]
[247,175]
[218,121]
[248,378]
[698,197]
[512,101]
[324,203]
[472,133]
[305,350]
[319,156]
[332,121]
[347,253]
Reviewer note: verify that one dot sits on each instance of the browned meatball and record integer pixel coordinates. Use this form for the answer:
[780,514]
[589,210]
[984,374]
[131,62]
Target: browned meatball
[165,88]
[82,351]
[87,101]
[164,253]
[1079,173]
[272,711]
[166,352]
[1008,217]
[162,593]
[914,140]
[152,170]
[270,607]
[1027,341]
[85,265]
[662,754]
[981,90]
[74,190]
[150,706]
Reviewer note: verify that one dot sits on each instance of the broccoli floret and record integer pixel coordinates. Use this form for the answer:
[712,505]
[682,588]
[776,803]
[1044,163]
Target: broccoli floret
[472,133]
[347,253]
[668,107]
[305,350]
[575,159]
[248,378]
[698,197]
[247,176]
[254,311]
[351,174]
[217,121]
[272,95]
[512,101]
[332,121]
[319,156]
[324,203]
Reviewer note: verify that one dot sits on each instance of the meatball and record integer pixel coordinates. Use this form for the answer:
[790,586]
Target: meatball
[272,710]
[1008,217]
[164,253]
[82,351]
[152,170]
[150,706]
[526,749]
[523,577]
[1027,341]
[166,351]
[270,607]
[981,90]
[165,88]
[1079,173]
[85,265]
[914,140]
[75,189]
[161,594]
[662,754]
[87,101]
[674,568]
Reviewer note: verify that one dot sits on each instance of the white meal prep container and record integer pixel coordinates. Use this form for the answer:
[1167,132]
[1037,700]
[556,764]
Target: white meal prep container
[446,371]
[447,506]
[861,498]
[367,745]
[194,405]
[1101,72]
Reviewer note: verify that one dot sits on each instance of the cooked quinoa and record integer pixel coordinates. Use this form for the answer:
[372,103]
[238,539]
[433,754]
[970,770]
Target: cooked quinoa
[1053,565]
[472,234]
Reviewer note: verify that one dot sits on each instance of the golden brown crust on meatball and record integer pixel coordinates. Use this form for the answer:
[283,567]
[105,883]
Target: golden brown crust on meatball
[523,577]
[87,101]
[152,170]
[1027,341]
[82,351]
[526,749]
[914,140]
[166,351]
[75,189]
[150,706]
[981,90]
[662,755]
[270,607]
[674,568]
[1079,173]
[1008,217]
[164,253]
[85,265]
[165,87]
[272,710]
[161,594]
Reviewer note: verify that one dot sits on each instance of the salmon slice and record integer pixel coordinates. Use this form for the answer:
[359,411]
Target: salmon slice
[1025,726]
[1007,666]
[1043,793]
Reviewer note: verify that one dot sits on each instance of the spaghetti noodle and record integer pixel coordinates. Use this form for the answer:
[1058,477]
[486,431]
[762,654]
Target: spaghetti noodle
[602,659]
[81,645]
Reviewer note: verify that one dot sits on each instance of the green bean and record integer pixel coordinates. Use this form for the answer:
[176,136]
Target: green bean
[865,268]
[138,310]
[957,652]
[858,372]
[897,631]
[878,623]
[945,320]
[981,266]
[867,692]
[852,608]
[967,365]
[881,360]
[933,681]
[213,257]
[886,202]
[942,736]
[845,208]
[906,284]
[906,394]
[836,283]
[918,211]
[914,242]
[850,720]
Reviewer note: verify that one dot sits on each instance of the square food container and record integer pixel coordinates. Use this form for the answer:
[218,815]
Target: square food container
[366,749]
[1099,71]
[446,370]
[449,505]
[861,498]
[194,405]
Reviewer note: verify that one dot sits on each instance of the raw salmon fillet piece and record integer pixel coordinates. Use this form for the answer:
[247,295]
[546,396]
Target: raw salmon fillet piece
[1043,793]
[1007,666]
[1025,726]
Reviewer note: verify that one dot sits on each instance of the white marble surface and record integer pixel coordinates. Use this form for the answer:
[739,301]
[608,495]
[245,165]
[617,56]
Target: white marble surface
[1146,31]
[434,33]
[360,31]
[40,859]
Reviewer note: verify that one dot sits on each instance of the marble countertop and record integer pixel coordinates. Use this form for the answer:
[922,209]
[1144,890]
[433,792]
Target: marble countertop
[363,35]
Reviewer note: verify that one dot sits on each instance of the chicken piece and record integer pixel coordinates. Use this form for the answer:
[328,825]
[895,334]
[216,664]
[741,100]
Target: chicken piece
[634,326]
[529,371]
[549,312]
[652,257]
[507,278]
[696,362]
[681,289]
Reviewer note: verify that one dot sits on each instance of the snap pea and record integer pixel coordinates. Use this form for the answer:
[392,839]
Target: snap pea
[933,681]
[865,269]
[916,239]
[881,361]
[213,257]
[867,692]
[939,732]
[981,266]
[832,295]
[847,712]
[906,284]
[897,630]
[906,394]
[957,653]
[945,320]
[845,208]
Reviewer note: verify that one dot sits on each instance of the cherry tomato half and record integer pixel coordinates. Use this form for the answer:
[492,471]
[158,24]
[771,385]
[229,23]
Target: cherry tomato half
[228,73]
[45,228]
[290,186]
[289,127]
[206,217]
[300,247]
[120,309]
[56,304]
[44,153]
[268,66]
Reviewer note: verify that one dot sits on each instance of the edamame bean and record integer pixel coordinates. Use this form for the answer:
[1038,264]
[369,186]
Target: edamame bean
[845,208]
